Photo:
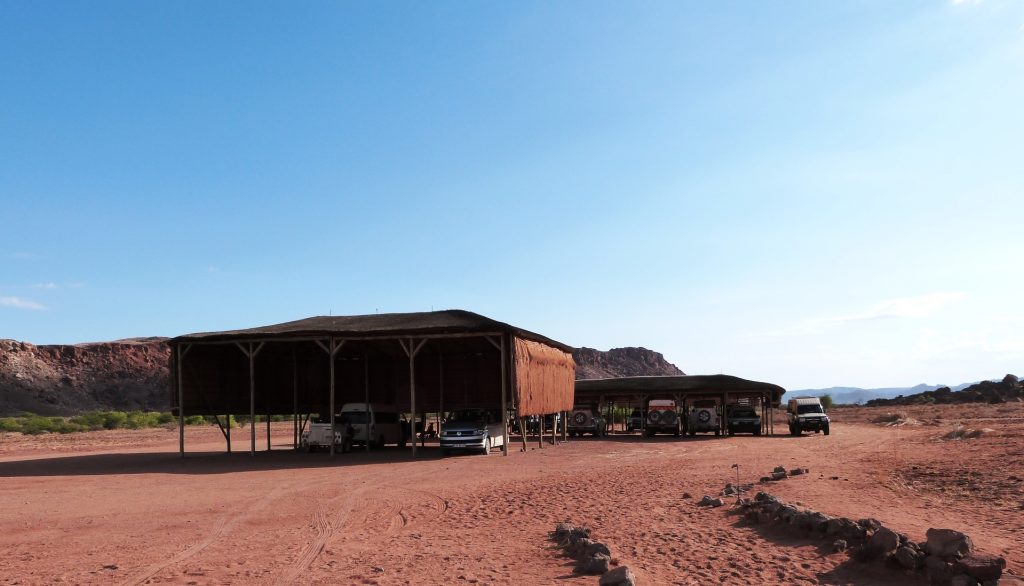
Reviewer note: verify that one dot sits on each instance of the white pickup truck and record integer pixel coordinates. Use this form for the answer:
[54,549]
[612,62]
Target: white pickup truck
[319,435]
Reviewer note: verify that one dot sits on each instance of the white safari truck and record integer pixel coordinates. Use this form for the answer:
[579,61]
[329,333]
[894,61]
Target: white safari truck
[319,435]
[806,414]
[662,417]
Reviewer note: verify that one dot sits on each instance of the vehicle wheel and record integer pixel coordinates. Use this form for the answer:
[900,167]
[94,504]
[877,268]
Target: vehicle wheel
[718,432]
[826,430]
[310,448]
[402,442]
[693,433]
[758,432]
[379,443]
[797,430]
[487,447]
[444,451]
[732,432]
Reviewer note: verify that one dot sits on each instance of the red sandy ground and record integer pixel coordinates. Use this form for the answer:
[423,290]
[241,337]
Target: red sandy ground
[120,507]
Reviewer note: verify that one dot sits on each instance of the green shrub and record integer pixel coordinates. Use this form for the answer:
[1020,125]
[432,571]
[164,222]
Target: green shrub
[826,402]
[195,420]
[10,424]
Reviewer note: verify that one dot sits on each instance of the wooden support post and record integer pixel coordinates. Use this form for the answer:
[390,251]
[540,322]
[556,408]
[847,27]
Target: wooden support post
[252,401]
[331,348]
[504,398]
[366,398]
[181,403]
[540,431]
[295,400]
[332,355]
[411,351]
[227,426]
[522,431]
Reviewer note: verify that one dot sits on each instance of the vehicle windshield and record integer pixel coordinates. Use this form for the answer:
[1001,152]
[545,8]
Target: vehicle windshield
[743,413]
[353,417]
[809,409]
[467,416]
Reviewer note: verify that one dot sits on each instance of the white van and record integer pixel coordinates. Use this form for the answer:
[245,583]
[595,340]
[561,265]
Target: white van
[384,423]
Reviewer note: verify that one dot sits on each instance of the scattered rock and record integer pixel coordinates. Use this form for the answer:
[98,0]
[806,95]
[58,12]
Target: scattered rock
[594,565]
[710,502]
[940,572]
[620,576]
[909,558]
[839,545]
[779,469]
[687,495]
[884,542]
[948,543]
[778,475]
[981,566]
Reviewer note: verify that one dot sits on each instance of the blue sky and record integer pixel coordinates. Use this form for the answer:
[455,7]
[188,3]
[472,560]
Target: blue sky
[810,193]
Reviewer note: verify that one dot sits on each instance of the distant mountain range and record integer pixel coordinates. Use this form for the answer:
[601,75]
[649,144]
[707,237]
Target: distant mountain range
[856,395]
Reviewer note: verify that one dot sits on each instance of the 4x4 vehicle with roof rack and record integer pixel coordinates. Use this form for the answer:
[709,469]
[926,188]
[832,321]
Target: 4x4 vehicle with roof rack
[662,417]
[586,419]
[704,417]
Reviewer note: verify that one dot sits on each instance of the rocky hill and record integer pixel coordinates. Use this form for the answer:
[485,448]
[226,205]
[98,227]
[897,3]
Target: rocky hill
[132,374]
[1008,389]
[618,362]
[65,379]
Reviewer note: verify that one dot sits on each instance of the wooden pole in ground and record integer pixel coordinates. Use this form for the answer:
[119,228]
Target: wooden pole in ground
[181,403]
[522,431]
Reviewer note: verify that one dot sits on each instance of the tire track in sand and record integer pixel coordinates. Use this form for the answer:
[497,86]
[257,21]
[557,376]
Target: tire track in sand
[226,523]
[383,514]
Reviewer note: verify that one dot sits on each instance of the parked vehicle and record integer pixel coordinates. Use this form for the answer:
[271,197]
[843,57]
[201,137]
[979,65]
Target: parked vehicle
[319,435]
[806,414]
[472,429]
[586,419]
[662,417]
[704,417]
[550,420]
[375,423]
[635,421]
[742,419]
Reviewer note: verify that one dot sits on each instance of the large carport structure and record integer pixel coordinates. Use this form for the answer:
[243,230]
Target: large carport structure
[428,362]
[638,390]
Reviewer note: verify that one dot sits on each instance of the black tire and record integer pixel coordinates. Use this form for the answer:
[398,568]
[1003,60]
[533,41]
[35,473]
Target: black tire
[650,433]
[487,447]
[758,432]
[718,432]
[826,430]
[402,442]
[732,432]
[693,433]
[445,451]
[797,430]
[310,448]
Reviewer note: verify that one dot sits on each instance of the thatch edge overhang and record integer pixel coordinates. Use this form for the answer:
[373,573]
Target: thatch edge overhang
[688,384]
[374,326]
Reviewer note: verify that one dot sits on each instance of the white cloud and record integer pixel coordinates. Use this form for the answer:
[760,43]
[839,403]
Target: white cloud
[20,303]
[898,308]
[48,285]
[920,306]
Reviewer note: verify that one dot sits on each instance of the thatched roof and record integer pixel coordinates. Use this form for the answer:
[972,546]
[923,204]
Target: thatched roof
[383,325]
